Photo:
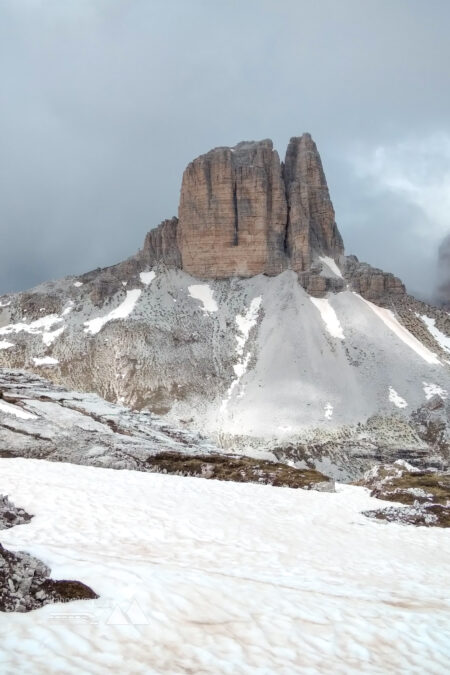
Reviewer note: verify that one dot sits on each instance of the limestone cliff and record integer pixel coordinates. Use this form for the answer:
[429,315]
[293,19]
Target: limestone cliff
[233,212]
[311,227]
[242,212]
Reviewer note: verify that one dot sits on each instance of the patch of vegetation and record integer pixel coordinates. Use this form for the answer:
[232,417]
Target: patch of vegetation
[60,590]
[424,494]
[239,470]
[424,487]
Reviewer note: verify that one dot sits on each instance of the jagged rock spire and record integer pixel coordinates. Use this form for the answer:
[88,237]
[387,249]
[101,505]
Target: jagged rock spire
[311,226]
[242,212]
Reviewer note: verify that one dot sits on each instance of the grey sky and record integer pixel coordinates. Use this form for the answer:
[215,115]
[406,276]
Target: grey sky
[104,102]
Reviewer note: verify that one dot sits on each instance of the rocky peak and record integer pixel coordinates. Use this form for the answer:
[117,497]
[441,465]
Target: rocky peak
[242,212]
[233,213]
[311,226]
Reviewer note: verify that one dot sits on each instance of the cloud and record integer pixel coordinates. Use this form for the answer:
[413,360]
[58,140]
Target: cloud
[401,205]
[416,171]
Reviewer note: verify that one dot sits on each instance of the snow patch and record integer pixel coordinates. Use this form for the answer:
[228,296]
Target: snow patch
[49,338]
[442,339]
[328,410]
[396,399]
[329,317]
[432,389]
[45,361]
[5,304]
[38,327]
[145,277]
[204,293]
[401,332]
[11,409]
[6,345]
[331,264]
[245,323]
[77,284]
[94,326]
[68,309]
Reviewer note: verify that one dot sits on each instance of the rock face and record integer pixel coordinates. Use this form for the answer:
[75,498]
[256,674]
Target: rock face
[242,213]
[233,213]
[370,282]
[161,244]
[311,226]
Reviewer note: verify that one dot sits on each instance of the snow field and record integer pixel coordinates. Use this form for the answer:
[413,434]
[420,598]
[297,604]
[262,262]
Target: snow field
[212,577]
[396,399]
[45,361]
[15,410]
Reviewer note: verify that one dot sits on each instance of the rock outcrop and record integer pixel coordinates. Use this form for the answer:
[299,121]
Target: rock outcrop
[233,213]
[311,226]
[24,580]
[243,212]
[371,282]
[161,244]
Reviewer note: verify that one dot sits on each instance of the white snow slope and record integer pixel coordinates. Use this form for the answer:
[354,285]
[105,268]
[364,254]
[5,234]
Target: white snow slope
[208,577]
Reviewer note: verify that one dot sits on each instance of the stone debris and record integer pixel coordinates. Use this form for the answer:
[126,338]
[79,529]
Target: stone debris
[24,580]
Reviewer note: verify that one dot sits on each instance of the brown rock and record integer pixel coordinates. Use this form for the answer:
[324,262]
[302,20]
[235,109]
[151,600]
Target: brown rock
[370,282]
[233,212]
[311,227]
[161,245]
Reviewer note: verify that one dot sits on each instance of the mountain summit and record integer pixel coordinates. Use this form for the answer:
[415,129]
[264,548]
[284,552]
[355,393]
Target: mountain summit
[243,212]
[244,320]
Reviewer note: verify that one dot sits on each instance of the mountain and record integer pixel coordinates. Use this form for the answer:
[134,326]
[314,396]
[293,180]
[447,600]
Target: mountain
[243,319]
[443,290]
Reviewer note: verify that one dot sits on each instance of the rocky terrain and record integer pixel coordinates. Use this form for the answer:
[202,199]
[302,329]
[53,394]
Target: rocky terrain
[425,495]
[24,580]
[243,321]
[44,421]
[41,420]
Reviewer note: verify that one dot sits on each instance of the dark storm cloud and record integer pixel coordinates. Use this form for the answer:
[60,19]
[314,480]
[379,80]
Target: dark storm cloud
[103,103]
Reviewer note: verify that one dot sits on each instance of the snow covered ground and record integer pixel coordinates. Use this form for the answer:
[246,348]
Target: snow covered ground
[209,577]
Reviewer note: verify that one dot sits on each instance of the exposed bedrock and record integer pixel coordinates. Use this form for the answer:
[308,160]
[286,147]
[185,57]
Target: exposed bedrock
[243,212]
